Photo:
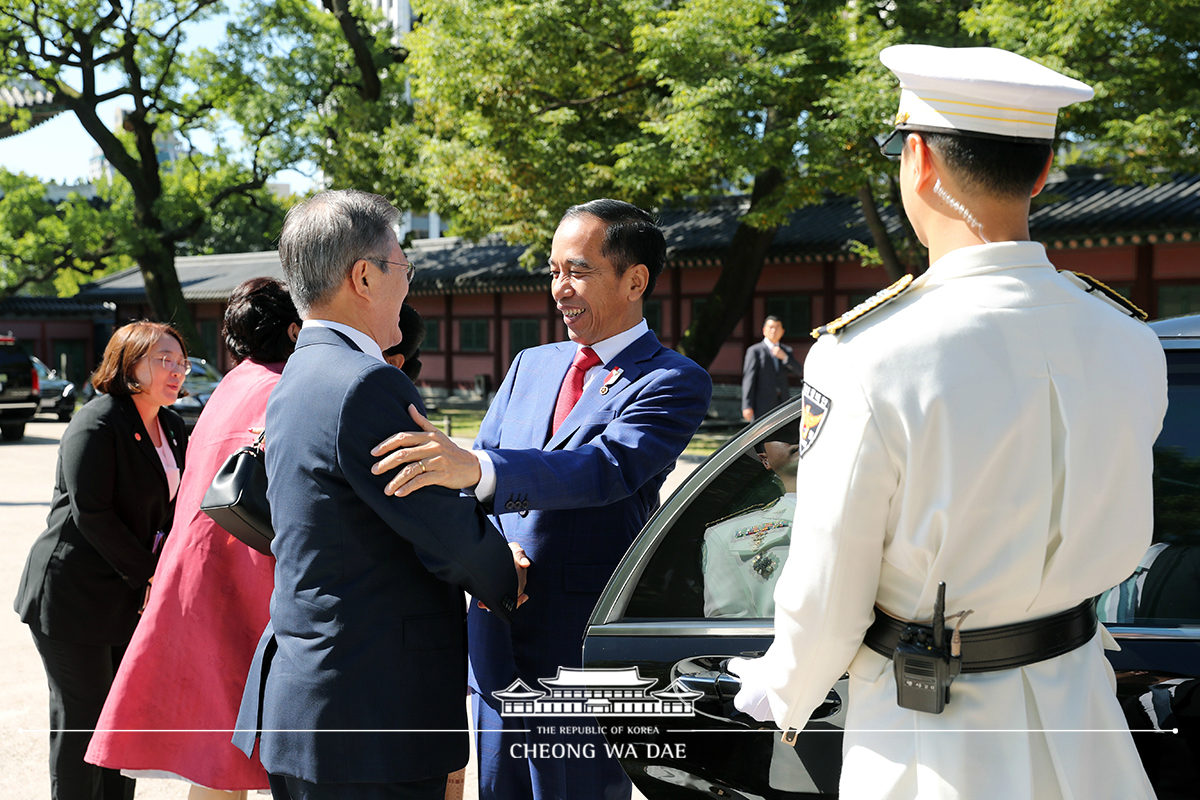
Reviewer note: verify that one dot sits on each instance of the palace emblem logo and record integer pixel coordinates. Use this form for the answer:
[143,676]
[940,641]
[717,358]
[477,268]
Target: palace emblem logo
[596,693]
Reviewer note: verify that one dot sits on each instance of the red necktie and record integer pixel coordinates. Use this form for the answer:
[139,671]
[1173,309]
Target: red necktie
[572,386]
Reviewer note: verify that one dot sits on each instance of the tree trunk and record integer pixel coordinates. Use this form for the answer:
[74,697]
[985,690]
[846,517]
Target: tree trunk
[731,297]
[883,242]
[164,293]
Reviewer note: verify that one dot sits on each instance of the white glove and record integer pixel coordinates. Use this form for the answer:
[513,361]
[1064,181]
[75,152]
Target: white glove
[752,698]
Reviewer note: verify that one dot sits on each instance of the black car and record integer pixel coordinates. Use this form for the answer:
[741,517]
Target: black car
[664,614]
[199,385]
[58,394]
[19,388]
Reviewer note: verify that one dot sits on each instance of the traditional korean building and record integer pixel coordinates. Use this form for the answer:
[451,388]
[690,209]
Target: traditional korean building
[67,334]
[481,307]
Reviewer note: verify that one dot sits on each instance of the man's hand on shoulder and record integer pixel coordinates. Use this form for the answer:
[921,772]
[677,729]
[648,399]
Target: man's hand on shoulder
[424,458]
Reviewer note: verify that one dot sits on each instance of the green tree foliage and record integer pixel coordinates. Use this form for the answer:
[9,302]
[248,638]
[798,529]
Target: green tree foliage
[46,245]
[1141,56]
[534,105]
[329,81]
[73,48]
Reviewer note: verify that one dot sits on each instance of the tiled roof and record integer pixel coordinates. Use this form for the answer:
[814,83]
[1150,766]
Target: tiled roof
[204,278]
[1084,208]
[55,307]
[19,93]
[1091,203]
[454,266]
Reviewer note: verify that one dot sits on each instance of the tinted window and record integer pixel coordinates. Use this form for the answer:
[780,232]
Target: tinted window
[1165,589]
[652,311]
[433,336]
[473,335]
[1176,300]
[723,555]
[794,312]
[524,333]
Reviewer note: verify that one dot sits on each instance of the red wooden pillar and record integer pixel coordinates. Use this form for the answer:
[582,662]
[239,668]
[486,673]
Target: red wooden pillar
[498,355]
[1144,295]
[449,344]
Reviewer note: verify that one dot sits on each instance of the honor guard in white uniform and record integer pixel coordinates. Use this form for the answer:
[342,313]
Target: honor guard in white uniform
[987,426]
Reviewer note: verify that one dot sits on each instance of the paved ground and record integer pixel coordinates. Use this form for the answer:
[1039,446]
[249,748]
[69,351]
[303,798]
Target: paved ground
[26,482]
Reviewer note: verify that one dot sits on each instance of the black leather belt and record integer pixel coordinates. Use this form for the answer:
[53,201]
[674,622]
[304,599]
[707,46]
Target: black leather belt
[1004,646]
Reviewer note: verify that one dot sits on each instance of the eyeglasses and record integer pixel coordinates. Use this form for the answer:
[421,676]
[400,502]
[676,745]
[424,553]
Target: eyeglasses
[410,270]
[171,365]
[893,145]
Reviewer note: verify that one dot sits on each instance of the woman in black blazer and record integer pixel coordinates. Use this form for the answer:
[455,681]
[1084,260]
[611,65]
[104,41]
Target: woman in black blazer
[88,575]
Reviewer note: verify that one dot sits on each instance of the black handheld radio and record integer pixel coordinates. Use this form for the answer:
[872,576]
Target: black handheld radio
[923,663]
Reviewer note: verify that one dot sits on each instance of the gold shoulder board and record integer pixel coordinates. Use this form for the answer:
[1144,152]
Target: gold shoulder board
[1114,298]
[872,303]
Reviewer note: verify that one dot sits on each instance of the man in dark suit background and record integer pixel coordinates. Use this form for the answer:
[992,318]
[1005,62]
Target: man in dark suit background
[765,372]
[358,684]
[570,458]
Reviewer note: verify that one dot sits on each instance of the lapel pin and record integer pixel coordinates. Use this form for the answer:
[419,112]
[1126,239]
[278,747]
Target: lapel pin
[612,378]
[137,437]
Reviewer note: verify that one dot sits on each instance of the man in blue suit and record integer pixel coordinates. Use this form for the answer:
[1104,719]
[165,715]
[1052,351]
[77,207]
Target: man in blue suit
[359,682]
[572,484]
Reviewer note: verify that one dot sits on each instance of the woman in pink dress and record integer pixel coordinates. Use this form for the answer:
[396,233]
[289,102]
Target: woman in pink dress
[186,666]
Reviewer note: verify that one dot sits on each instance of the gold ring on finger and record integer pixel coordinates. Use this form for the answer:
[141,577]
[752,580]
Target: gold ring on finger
[422,463]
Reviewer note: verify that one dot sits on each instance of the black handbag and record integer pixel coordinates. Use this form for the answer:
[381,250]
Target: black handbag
[237,498]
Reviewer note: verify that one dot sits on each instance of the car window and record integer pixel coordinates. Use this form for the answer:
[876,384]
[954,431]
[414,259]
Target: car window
[203,371]
[1164,591]
[725,551]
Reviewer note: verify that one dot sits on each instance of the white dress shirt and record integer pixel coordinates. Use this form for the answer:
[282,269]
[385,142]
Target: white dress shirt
[364,342]
[607,350]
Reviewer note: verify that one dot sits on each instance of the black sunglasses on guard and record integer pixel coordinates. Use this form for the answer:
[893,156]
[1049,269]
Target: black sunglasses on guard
[893,145]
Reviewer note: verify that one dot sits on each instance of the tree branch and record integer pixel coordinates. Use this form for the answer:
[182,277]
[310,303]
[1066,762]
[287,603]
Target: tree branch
[585,101]
[371,88]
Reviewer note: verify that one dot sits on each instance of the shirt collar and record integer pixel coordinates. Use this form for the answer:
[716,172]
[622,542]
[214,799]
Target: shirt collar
[981,258]
[364,342]
[612,347]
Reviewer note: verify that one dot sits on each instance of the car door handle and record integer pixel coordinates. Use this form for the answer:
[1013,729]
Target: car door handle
[718,687]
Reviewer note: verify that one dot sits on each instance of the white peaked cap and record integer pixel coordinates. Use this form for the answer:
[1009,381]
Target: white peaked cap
[979,90]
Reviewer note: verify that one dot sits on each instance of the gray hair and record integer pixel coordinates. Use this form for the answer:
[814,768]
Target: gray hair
[325,235]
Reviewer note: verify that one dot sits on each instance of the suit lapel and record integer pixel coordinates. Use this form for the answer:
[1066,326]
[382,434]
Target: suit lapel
[550,374]
[141,437]
[629,361]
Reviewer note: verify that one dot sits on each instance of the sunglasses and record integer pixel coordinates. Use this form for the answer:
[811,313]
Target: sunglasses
[893,145]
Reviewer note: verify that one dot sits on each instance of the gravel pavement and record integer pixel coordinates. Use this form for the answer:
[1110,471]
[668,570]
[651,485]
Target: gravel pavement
[26,483]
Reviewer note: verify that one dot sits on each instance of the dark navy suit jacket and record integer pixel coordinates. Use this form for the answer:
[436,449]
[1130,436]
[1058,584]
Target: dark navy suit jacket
[577,500]
[367,627]
[765,378]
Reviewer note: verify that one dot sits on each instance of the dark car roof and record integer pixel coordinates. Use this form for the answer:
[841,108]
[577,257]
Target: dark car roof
[1184,327]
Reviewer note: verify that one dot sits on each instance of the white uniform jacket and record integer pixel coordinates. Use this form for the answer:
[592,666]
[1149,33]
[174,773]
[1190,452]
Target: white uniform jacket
[990,428]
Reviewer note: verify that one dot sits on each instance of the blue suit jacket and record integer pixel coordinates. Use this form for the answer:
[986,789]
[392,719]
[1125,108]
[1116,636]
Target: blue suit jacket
[577,500]
[367,616]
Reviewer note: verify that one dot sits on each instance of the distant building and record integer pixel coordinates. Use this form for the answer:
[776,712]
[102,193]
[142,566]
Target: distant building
[168,147]
[67,334]
[21,94]
[421,223]
[481,307]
